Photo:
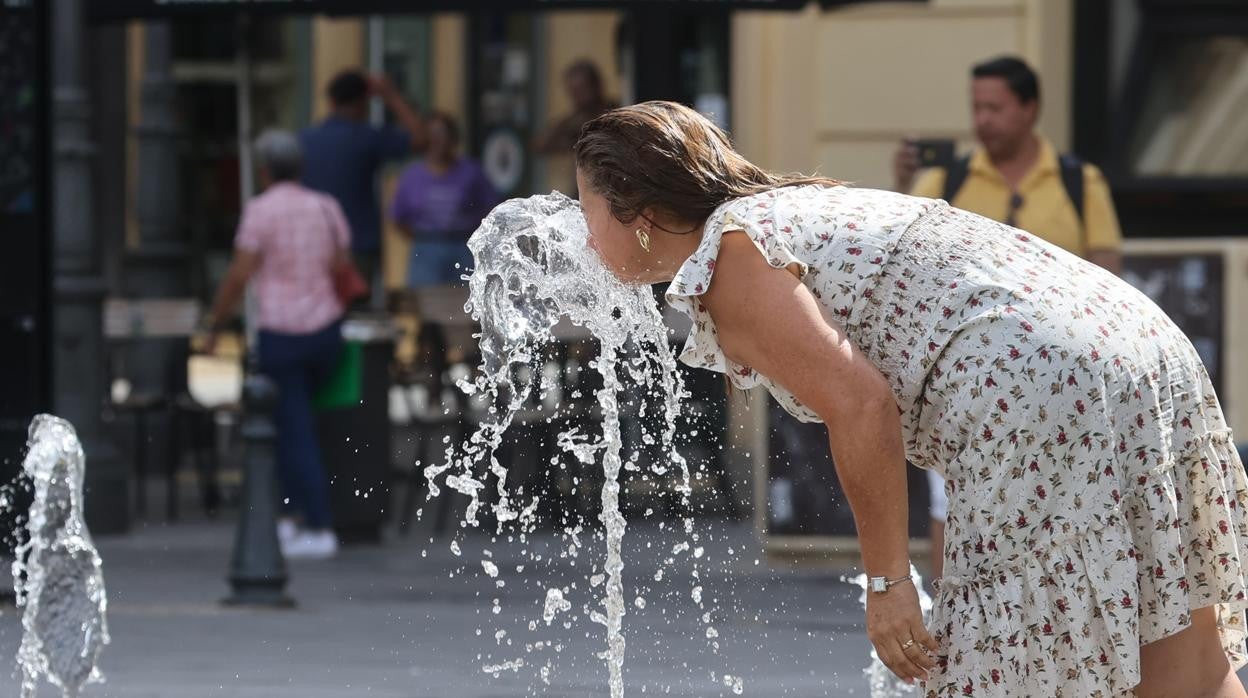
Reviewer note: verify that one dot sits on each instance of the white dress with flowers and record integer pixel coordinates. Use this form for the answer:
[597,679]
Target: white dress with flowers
[1095,496]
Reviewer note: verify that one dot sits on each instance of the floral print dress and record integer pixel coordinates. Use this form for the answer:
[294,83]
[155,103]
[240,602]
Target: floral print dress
[1095,496]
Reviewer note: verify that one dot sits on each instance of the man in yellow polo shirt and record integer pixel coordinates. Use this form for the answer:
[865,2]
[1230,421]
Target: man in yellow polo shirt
[1015,176]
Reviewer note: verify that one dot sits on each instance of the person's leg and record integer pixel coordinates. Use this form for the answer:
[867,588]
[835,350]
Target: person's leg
[277,361]
[938,509]
[319,354]
[459,262]
[936,556]
[1190,663]
[324,359]
[422,265]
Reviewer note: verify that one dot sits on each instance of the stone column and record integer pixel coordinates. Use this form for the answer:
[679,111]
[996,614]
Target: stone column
[78,349]
[156,266]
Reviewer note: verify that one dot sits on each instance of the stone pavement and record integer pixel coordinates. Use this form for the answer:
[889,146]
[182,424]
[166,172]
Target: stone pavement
[412,619]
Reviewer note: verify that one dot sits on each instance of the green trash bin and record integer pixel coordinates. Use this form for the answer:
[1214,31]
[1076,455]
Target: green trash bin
[342,389]
[353,424]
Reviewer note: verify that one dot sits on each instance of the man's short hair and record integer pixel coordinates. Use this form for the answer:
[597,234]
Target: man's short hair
[347,87]
[1016,73]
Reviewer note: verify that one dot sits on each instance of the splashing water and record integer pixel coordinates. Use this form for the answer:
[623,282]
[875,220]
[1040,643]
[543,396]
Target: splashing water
[534,268]
[883,682]
[58,575]
[555,604]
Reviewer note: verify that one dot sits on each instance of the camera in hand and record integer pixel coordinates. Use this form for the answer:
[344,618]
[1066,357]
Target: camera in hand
[936,152]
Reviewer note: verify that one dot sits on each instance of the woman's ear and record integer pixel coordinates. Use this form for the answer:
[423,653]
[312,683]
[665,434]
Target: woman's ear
[651,219]
[655,220]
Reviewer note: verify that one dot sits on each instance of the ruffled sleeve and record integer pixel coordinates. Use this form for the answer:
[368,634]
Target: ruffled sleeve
[755,216]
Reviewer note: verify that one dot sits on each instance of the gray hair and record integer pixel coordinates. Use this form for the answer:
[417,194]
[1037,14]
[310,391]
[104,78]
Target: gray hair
[279,152]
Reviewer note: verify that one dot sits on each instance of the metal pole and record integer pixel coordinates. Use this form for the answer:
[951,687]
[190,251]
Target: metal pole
[376,64]
[78,347]
[246,169]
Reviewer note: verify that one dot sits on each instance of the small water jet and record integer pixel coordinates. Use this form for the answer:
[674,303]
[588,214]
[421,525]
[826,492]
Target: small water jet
[58,575]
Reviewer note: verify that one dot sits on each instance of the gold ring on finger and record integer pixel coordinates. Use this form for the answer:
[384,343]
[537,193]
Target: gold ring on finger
[907,644]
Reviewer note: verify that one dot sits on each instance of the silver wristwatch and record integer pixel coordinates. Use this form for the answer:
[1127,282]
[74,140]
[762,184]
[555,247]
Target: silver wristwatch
[879,585]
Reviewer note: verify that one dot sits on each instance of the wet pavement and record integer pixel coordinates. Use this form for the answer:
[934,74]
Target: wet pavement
[410,618]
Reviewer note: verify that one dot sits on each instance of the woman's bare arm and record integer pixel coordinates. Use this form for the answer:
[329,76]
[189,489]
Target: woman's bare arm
[767,320]
[244,264]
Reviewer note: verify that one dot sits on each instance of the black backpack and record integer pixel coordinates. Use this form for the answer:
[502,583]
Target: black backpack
[1072,179]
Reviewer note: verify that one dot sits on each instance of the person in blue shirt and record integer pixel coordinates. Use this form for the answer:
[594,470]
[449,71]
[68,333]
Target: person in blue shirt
[343,154]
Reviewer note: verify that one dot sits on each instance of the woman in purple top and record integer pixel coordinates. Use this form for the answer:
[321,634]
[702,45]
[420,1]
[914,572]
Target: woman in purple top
[438,204]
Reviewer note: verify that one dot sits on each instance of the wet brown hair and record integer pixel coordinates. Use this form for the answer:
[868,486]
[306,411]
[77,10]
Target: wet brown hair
[669,158]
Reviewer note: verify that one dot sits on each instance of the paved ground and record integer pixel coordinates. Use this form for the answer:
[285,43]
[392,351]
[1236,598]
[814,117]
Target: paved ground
[410,618]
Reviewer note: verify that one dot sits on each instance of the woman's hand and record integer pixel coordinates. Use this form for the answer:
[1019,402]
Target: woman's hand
[895,627]
[204,339]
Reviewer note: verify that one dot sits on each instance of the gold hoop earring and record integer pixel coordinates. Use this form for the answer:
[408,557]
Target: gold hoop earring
[644,238]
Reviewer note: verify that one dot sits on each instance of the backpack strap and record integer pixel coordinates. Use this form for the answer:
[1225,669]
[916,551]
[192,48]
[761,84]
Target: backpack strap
[955,177]
[1072,180]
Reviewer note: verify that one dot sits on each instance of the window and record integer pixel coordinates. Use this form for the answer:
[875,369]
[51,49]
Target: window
[405,58]
[1191,122]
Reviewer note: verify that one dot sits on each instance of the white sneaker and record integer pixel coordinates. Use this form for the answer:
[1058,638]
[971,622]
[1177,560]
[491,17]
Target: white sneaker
[311,545]
[286,531]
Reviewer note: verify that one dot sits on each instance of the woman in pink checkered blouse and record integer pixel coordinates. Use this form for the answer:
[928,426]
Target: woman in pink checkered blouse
[289,240]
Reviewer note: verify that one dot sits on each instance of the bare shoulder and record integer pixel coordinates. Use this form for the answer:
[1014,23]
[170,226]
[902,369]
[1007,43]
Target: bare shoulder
[767,320]
[747,294]
[739,268]
[736,249]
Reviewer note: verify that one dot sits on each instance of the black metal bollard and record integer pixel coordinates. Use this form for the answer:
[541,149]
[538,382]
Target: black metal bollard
[258,570]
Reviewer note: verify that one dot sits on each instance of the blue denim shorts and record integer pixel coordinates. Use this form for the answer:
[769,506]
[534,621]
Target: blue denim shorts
[438,263]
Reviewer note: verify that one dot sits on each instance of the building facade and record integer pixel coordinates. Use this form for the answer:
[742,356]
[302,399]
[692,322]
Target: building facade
[821,89]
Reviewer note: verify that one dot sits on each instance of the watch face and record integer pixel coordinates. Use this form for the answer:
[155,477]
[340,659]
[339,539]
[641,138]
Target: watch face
[879,585]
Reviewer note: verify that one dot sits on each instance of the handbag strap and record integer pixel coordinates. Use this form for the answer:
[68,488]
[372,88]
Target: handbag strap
[331,227]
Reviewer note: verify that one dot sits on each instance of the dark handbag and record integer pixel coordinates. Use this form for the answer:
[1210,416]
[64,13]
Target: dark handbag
[349,283]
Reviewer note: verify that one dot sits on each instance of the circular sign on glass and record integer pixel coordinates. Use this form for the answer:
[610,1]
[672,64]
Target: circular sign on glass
[502,156]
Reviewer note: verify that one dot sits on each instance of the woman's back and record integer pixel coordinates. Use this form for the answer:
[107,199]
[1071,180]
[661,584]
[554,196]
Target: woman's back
[905,275]
[296,232]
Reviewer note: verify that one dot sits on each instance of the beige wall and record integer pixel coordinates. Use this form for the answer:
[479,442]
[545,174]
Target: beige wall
[449,64]
[337,44]
[860,78]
